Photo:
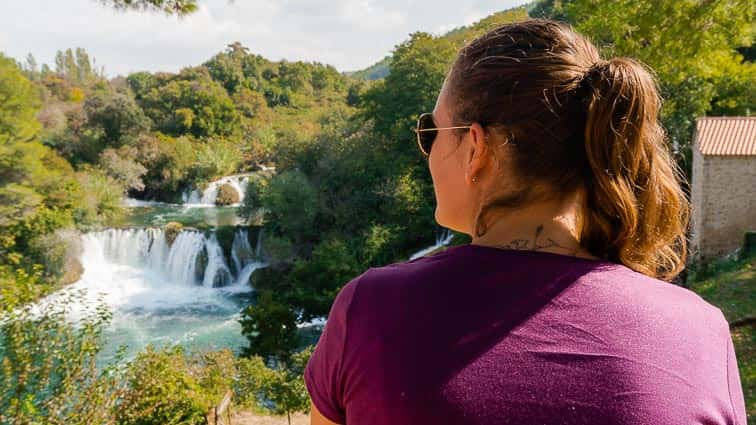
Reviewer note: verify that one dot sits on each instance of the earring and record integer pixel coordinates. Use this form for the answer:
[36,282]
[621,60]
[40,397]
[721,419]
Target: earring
[474,179]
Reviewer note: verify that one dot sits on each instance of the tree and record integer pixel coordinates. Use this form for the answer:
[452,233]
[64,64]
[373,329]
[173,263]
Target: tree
[291,202]
[116,116]
[278,389]
[191,103]
[418,68]
[317,281]
[169,7]
[270,326]
[690,44]
[18,104]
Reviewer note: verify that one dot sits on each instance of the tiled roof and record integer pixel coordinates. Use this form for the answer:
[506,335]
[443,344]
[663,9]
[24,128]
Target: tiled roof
[725,135]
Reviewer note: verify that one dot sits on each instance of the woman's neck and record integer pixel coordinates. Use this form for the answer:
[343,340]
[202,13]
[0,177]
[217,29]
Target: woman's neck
[548,226]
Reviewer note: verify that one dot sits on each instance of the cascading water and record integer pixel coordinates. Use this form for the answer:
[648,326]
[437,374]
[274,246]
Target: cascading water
[207,197]
[159,292]
[443,238]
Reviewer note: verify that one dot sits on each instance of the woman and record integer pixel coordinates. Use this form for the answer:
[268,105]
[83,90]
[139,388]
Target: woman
[553,160]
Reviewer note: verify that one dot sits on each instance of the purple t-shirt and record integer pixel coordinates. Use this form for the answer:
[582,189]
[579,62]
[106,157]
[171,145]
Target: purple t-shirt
[482,335]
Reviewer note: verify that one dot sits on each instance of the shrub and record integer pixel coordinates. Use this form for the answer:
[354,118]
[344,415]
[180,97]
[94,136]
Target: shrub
[163,389]
[278,389]
[270,327]
[47,364]
[227,195]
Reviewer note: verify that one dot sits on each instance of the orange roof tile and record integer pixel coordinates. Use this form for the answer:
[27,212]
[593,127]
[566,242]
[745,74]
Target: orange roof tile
[725,135]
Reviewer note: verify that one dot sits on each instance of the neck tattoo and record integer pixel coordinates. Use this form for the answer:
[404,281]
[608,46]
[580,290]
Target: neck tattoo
[536,244]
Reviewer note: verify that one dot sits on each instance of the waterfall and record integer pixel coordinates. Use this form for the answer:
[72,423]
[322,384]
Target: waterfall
[241,250]
[207,197]
[192,258]
[216,273]
[443,238]
[181,263]
[163,292]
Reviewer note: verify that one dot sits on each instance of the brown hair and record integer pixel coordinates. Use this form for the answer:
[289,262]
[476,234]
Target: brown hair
[575,121]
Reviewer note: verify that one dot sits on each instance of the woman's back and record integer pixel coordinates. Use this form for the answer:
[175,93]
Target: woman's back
[481,335]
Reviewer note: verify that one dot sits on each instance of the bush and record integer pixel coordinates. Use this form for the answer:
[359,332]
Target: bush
[270,327]
[167,387]
[277,390]
[59,254]
[278,252]
[47,364]
[172,230]
[227,195]
[292,203]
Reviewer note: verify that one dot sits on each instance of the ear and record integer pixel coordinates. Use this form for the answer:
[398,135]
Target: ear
[478,154]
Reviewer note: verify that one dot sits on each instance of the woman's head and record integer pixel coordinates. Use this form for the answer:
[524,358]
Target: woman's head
[549,119]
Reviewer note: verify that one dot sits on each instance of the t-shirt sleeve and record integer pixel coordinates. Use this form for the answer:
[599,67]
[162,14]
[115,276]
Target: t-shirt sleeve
[323,374]
[734,384]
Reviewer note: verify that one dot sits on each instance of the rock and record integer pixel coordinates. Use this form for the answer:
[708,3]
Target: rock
[227,195]
[73,271]
[172,229]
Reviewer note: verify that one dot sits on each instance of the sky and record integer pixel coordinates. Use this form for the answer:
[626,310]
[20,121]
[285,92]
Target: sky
[348,34]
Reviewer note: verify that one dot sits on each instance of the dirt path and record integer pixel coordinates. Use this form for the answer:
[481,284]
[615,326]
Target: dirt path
[247,418]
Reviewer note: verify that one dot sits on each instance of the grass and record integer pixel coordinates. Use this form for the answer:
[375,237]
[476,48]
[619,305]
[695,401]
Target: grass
[731,286]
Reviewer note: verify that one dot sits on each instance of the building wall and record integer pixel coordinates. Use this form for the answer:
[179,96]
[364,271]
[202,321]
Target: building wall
[724,203]
[697,199]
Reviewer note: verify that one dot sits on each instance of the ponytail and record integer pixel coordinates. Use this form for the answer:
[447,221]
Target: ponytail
[636,212]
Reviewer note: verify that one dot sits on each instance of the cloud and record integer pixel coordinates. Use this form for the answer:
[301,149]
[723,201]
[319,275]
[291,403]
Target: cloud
[349,34]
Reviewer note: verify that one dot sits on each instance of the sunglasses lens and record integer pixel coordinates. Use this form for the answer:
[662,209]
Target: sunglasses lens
[426,137]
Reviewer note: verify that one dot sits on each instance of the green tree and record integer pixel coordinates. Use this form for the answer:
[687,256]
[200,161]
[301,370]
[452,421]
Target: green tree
[47,364]
[317,281]
[418,68]
[116,116]
[18,104]
[165,386]
[291,203]
[169,7]
[191,103]
[270,326]
[690,45]
[279,390]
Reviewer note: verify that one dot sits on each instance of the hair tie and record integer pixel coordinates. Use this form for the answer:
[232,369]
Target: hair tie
[592,71]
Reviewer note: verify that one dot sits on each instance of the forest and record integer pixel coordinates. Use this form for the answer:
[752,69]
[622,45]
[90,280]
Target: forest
[350,190]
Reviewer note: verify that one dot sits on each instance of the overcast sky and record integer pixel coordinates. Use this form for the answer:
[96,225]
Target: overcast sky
[349,34]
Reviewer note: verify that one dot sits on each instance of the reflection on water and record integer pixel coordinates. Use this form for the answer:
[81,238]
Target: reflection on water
[145,213]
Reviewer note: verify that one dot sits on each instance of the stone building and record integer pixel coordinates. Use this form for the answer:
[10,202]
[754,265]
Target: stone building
[723,192]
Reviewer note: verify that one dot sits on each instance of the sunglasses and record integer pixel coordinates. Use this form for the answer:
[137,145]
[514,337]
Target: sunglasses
[426,132]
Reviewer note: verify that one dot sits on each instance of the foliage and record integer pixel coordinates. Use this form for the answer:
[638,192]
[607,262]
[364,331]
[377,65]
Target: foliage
[278,390]
[190,103]
[169,7]
[40,193]
[123,168]
[19,102]
[47,364]
[418,68]
[291,202]
[115,116]
[227,195]
[168,387]
[695,57]
[315,282]
[101,198]
[270,326]
[253,195]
